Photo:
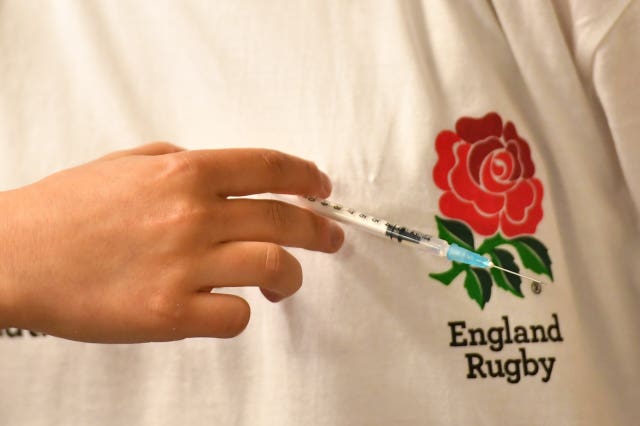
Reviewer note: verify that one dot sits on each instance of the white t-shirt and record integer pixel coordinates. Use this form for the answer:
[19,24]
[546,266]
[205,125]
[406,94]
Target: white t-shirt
[510,123]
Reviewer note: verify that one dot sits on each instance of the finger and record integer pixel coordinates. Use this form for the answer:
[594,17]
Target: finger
[155,148]
[240,264]
[280,223]
[254,171]
[215,315]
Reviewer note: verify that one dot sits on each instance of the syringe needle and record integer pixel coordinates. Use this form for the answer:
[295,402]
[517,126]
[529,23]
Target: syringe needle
[491,264]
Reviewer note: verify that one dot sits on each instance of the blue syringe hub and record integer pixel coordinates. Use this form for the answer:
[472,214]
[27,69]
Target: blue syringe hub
[462,255]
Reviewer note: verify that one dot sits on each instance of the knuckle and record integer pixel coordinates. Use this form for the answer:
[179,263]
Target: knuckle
[277,214]
[164,311]
[273,260]
[275,161]
[185,214]
[179,165]
[194,214]
[165,147]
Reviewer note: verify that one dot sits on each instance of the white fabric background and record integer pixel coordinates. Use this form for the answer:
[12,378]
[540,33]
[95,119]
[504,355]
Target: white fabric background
[362,88]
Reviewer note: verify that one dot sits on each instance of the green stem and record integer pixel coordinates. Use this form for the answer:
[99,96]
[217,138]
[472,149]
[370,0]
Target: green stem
[458,267]
[491,243]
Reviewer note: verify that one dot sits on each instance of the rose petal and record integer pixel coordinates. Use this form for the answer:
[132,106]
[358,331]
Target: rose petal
[478,152]
[444,147]
[531,215]
[466,189]
[477,129]
[522,147]
[494,180]
[519,199]
[455,208]
[512,147]
[501,165]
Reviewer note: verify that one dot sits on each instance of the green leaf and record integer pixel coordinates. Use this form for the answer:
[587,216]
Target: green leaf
[504,280]
[478,285]
[448,276]
[534,255]
[489,244]
[455,232]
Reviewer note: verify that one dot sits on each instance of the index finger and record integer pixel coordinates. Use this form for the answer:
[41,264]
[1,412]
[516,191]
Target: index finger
[246,171]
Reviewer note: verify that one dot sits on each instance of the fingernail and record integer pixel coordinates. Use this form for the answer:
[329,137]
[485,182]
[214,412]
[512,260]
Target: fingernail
[326,185]
[336,235]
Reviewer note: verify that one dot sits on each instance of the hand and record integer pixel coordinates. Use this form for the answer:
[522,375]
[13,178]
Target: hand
[128,248]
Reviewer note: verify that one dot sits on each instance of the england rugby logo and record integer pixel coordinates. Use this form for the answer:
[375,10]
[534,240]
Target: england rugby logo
[488,177]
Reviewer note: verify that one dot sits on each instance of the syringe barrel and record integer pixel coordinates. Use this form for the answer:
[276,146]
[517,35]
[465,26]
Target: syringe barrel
[422,241]
[435,246]
[380,227]
[342,214]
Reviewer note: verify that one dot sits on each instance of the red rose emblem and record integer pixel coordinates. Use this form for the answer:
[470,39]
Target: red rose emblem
[487,174]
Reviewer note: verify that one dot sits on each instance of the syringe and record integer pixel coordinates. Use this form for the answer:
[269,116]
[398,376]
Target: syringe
[385,229]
